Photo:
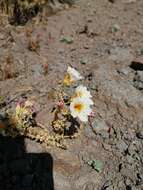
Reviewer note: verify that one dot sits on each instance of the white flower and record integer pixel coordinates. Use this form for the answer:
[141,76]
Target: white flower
[82,92]
[72,76]
[89,101]
[75,75]
[80,108]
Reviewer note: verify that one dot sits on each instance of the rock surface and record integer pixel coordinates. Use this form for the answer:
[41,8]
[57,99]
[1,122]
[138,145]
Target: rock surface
[116,85]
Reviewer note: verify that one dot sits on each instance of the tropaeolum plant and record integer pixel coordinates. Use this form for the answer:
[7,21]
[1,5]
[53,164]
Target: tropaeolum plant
[73,107]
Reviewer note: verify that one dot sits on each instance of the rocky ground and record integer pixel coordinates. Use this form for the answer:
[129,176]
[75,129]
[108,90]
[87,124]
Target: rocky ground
[103,40]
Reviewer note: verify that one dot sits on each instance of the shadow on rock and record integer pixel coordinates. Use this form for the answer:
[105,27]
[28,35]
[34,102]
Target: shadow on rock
[24,171]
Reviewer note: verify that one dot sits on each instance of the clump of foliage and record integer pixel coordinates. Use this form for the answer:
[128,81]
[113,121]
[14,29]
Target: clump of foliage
[7,69]
[20,11]
[73,108]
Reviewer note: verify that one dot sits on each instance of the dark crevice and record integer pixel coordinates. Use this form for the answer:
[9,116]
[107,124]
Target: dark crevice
[120,167]
[136,66]
[128,187]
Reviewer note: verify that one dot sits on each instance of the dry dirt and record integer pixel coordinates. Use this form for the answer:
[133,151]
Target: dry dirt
[106,38]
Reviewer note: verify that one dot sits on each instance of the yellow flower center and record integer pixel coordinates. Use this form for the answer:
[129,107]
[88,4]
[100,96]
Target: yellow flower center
[79,94]
[78,107]
[68,80]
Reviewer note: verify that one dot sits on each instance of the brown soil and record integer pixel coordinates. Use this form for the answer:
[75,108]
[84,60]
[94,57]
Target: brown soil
[107,37]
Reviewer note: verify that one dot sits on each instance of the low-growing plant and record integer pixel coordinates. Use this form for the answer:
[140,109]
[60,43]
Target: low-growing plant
[34,44]
[73,108]
[20,11]
[7,70]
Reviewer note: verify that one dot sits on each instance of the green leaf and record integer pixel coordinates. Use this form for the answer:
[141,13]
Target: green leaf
[115,28]
[67,40]
[83,61]
[96,165]
[2,100]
